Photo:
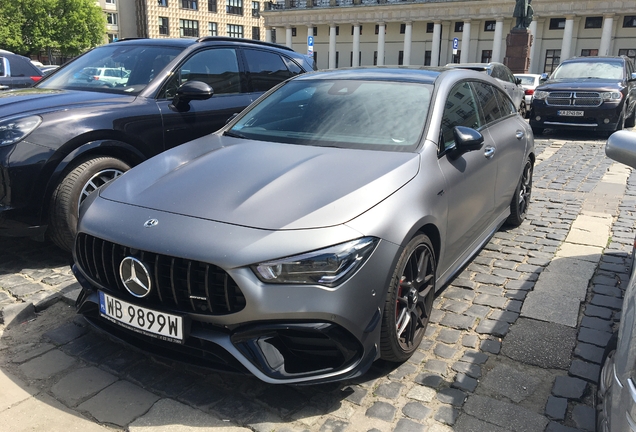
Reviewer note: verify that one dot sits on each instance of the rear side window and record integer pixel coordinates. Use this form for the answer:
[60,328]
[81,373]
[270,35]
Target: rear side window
[490,109]
[460,110]
[22,67]
[506,105]
[266,69]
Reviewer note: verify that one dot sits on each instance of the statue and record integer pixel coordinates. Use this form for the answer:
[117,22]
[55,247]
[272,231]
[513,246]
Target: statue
[523,12]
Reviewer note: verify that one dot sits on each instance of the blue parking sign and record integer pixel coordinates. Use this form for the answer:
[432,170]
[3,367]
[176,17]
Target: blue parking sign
[310,41]
[455,43]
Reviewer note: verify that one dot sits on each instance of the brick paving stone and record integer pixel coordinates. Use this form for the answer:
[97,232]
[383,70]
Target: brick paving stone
[404,370]
[477,311]
[421,393]
[607,301]
[475,357]
[81,384]
[416,410]
[458,307]
[333,425]
[556,407]
[589,352]
[594,337]
[516,294]
[470,341]
[585,370]
[462,322]
[464,382]
[429,379]
[437,366]
[451,396]
[444,351]
[489,279]
[490,346]
[597,324]
[569,387]
[470,369]
[449,336]
[607,290]
[522,285]
[495,328]
[382,411]
[458,293]
[47,365]
[496,291]
[514,306]
[436,316]
[509,274]
[601,312]
[390,390]
[406,425]
[584,417]
[507,316]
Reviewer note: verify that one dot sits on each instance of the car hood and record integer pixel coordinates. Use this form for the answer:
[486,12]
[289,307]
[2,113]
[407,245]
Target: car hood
[264,185]
[580,84]
[35,100]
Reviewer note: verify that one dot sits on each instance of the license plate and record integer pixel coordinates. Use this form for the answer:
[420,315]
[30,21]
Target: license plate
[569,113]
[142,320]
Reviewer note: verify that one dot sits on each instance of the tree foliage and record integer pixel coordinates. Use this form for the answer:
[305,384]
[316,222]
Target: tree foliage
[70,26]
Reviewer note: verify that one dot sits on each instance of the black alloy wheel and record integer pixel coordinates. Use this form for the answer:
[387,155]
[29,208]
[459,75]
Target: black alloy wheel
[409,300]
[521,198]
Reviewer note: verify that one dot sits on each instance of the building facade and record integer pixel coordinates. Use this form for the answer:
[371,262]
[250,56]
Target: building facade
[421,32]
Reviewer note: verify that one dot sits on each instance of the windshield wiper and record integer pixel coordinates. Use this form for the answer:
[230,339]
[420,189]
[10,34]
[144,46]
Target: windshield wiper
[233,134]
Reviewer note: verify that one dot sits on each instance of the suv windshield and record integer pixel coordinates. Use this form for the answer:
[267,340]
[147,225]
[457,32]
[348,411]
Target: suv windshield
[610,69]
[113,68]
[341,113]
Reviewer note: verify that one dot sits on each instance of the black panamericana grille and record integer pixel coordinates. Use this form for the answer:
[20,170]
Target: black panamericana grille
[581,99]
[177,283]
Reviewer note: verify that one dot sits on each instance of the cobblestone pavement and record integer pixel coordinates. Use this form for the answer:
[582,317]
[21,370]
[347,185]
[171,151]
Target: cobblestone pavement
[484,365]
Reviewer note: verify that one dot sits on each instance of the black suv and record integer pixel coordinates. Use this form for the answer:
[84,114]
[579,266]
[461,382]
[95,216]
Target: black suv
[114,107]
[17,71]
[586,93]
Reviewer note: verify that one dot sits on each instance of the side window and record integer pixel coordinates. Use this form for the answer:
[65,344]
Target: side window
[488,102]
[496,73]
[3,71]
[507,107]
[460,110]
[21,67]
[266,69]
[216,67]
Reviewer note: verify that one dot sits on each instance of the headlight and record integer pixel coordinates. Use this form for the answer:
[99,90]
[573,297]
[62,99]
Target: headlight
[329,267]
[541,95]
[14,130]
[610,96]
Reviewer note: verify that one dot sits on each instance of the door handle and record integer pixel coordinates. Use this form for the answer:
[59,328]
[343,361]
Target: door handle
[489,152]
[519,134]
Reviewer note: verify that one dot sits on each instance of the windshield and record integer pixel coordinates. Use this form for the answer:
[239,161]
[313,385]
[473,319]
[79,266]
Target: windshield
[526,80]
[113,68]
[593,69]
[340,113]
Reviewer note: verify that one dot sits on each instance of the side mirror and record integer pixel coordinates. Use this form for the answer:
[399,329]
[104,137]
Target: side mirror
[518,81]
[466,139]
[633,77]
[621,146]
[544,77]
[189,91]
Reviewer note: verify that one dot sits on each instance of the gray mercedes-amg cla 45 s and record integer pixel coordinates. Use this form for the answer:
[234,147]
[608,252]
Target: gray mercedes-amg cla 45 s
[308,237]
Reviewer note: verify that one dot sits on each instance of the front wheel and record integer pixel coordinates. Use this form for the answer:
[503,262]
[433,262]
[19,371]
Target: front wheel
[523,109]
[521,198]
[409,301]
[80,182]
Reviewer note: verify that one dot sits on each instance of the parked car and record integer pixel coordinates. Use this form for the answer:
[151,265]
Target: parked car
[616,388]
[307,238]
[17,71]
[101,76]
[586,93]
[47,69]
[63,138]
[503,75]
[529,82]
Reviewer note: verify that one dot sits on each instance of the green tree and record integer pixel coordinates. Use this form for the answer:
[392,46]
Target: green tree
[81,25]
[11,21]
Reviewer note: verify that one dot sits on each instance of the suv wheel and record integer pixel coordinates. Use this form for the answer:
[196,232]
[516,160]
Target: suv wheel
[523,109]
[80,182]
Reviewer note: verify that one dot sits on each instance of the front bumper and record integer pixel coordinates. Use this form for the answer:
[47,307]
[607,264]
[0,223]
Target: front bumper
[601,118]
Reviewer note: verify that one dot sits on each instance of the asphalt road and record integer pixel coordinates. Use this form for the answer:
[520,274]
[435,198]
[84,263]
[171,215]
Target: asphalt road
[515,342]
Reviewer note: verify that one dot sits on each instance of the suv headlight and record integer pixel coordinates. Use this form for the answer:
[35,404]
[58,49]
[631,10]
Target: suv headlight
[610,96]
[541,95]
[14,130]
[329,267]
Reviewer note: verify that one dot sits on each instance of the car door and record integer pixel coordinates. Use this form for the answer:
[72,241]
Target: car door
[220,68]
[470,177]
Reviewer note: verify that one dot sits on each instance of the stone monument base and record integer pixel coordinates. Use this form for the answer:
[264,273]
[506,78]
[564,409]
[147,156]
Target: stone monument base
[518,45]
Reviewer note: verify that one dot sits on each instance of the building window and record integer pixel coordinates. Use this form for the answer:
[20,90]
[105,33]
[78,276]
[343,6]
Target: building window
[552,60]
[315,32]
[112,37]
[427,58]
[188,28]
[211,5]
[234,30]
[401,58]
[430,27]
[256,33]
[631,53]
[459,26]
[557,23]
[163,3]
[234,7]
[337,31]
[189,4]
[164,30]
[359,58]
[256,9]
[213,29]
[110,2]
[337,58]
[402,28]
[486,56]
[111,18]
[273,35]
[456,57]
[489,26]
[589,53]
[352,27]
[293,31]
[594,22]
[629,21]
[375,58]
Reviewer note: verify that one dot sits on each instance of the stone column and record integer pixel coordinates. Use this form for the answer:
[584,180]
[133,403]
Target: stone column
[408,31]
[566,45]
[437,38]
[288,36]
[606,35]
[268,34]
[463,57]
[381,30]
[332,46]
[497,40]
[445,47]
[356,45]
[533,49]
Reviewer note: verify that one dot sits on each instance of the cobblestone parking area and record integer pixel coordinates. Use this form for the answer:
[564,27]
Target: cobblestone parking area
[515,342]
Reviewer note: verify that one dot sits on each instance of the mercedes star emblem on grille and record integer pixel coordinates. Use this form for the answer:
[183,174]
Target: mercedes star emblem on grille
[150,223]
[135,277]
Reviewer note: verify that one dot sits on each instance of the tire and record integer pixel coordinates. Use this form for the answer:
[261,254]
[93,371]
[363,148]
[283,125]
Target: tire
[523,109]
[80,182]
[605,381]
[630,121]
[521,197]
[409,300]
[537,130]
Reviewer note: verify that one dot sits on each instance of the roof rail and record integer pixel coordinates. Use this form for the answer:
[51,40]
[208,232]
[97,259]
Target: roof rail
[233,39]
[129,38]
